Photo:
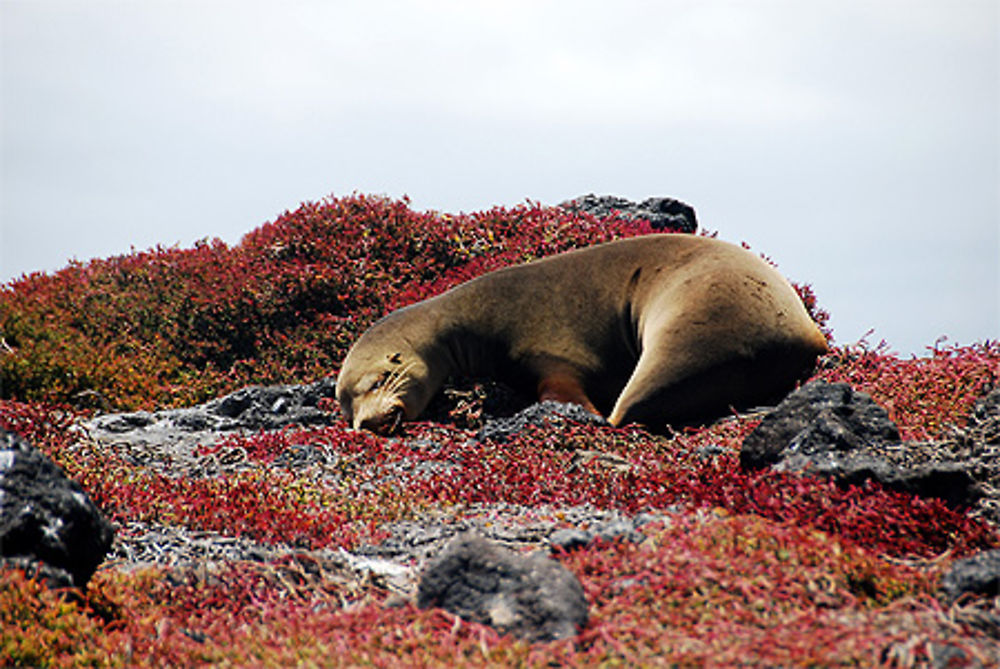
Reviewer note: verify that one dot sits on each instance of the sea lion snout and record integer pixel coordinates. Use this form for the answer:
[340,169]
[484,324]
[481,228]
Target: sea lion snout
[380,422]
[383,423]
[374,412]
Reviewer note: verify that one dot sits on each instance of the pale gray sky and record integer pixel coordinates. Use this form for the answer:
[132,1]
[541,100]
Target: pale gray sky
[855,143]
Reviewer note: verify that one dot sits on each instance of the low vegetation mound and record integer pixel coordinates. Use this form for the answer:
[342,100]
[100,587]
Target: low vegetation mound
[172,327]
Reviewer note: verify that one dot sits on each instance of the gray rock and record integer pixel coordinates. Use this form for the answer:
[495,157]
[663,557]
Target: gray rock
[48,524]
[948,481]
[274,407]
[616,529]
[541,413]
[620,529]
[709,451]
[663,213]
[513,526]
[950,656]
[530,596]
[125,422]
[987,409]
[570,539]
[977,575]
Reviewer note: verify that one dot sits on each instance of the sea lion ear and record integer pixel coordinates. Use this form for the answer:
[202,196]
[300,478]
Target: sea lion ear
[396,358]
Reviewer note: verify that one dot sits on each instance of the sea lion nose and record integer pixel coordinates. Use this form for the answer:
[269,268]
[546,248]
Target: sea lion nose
[386,423]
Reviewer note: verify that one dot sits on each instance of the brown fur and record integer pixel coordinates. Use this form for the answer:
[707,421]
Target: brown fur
[660,329]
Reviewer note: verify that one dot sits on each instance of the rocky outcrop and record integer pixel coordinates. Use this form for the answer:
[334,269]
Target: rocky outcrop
[530,596]
[48,524]
[249,409]
[831,430]
[663,213]
[976,445]
[987,412]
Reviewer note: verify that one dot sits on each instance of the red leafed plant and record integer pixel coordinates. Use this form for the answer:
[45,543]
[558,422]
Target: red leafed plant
[173,326]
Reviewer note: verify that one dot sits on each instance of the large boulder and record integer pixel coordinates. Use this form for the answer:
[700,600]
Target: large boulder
[663,213]
[817,419]
[531,596]
[831,430]
[48,524]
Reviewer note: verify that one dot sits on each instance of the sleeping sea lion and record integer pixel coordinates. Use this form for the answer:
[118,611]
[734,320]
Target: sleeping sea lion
[660,330]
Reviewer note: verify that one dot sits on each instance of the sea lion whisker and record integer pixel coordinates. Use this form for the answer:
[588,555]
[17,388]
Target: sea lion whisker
[399,377]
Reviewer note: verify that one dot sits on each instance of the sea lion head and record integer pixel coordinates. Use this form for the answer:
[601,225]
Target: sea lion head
[383,381]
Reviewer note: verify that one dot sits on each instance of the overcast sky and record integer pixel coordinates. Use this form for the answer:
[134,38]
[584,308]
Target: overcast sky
[855,143]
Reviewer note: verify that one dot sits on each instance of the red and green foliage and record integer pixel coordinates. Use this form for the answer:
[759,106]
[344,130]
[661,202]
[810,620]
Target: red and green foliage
[749,568]
[924,396]
[174,326]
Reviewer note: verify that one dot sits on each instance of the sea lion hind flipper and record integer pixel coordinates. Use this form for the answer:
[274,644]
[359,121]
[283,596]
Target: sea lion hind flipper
[647,380]
[681,390]
[563,385]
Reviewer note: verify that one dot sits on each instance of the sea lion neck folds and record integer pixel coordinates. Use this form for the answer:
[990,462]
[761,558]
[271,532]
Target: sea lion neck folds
[659,329]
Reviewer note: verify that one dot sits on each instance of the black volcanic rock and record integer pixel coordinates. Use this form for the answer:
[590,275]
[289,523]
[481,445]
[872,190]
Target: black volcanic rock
[663,213]
[818,418]
[530,596]
[48,524]
[831,430]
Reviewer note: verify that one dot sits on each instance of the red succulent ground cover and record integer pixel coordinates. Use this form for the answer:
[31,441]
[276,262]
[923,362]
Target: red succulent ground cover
[709,590]
[923,396]
[761,568]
